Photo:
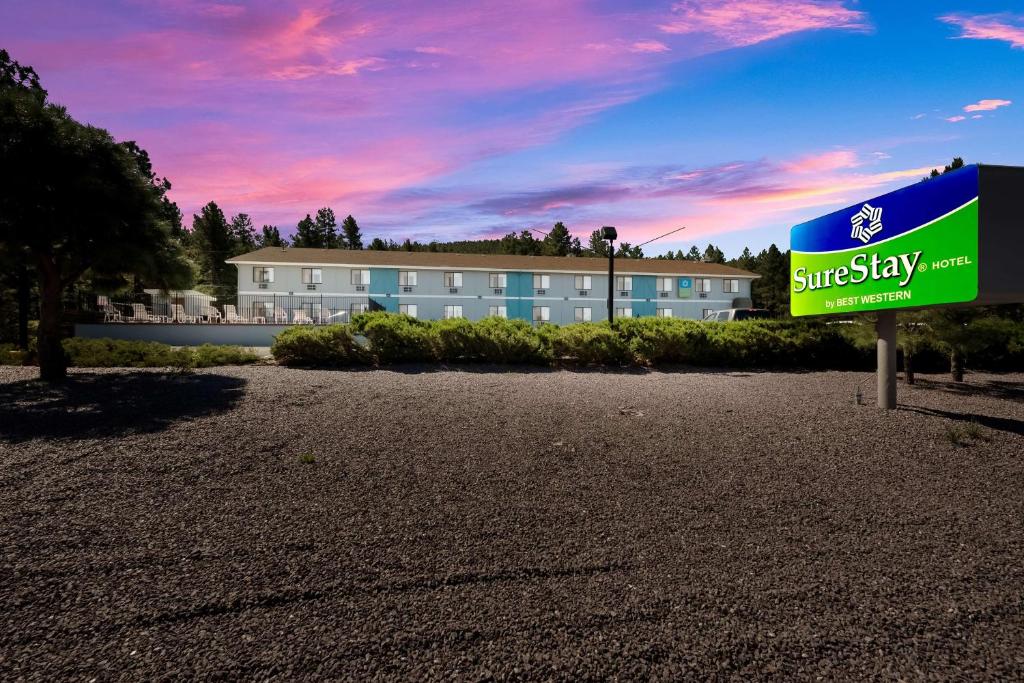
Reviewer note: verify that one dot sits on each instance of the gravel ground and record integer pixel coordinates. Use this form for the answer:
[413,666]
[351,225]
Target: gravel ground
[265,522]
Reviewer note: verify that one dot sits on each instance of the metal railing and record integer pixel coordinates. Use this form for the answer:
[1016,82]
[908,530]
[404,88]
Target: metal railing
[195,308]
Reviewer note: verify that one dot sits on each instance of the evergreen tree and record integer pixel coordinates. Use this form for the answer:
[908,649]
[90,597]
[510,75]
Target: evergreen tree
[558,242]
[326,226]
[244,234]
[377,244]
[306,234]
[626,250]
[693,254]
[771,290]
[746,261]
[271,237]
[351,236]
[212,242]
[713,255]
[596,245]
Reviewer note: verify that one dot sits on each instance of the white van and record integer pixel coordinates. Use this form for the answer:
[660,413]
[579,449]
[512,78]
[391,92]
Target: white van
[730,314]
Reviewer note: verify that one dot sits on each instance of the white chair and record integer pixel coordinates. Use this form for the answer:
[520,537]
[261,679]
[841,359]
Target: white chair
[141,315]
[231,315]
[111,314]
[280,315]
[325,315]
[212,315]
[299,317]
[178,314]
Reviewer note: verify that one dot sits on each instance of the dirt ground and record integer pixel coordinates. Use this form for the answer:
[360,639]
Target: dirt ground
[265,522]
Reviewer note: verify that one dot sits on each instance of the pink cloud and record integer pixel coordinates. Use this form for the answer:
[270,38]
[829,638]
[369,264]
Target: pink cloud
[649,46]
[987,105]
[825,161]
[956,119]
[1005,27]
[746,22]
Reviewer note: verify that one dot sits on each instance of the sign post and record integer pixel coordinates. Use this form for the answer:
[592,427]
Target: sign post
[947,241]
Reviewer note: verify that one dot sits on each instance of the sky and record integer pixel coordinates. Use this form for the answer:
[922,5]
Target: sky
[463,119]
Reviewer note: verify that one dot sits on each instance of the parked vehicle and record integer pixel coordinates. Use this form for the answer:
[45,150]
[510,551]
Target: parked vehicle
[730,314]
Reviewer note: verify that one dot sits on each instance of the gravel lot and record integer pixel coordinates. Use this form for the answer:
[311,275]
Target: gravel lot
[257,522]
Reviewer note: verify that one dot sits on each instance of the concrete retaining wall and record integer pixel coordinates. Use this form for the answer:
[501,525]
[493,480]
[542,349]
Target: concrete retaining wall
[178,334]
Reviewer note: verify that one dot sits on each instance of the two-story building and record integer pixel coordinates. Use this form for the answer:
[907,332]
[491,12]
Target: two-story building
[285,284]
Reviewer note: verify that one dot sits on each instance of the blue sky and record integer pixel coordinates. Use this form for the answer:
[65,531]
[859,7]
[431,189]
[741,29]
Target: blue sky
[464,119]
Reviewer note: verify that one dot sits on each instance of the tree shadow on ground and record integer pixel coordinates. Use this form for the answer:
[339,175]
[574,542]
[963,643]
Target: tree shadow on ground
[992,388]
[1001,424]
[111,404]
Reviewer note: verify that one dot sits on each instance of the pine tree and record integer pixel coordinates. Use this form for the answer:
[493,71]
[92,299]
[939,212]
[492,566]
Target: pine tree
[271,237]
[244,233]
[693,254]
[306,234]
[597,246]
[352,238]
[558,242]
[326,227]
[212,243]
[713,255]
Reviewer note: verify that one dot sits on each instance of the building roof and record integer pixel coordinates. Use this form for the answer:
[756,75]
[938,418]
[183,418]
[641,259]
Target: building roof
[296,256]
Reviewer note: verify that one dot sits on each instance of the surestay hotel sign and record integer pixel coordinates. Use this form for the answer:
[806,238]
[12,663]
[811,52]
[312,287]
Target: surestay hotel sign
[943,241]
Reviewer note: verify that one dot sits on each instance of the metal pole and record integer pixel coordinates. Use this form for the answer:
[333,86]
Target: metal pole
[611,282]
[886,329]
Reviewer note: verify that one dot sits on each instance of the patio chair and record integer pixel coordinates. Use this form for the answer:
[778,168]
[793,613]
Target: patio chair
[111,314]
[212,315]
[299,317]
[141,315]
[325,315]
[178,314]
[280,315]
[231,315]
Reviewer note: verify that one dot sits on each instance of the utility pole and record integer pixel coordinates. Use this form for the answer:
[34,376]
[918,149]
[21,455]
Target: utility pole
[608,233]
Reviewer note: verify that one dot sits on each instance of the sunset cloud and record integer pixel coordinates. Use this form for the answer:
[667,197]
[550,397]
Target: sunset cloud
[649,46]
[956,119]
[746,22]
[1005,27]
[987,105]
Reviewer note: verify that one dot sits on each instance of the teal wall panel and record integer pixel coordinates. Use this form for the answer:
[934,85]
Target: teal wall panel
[384,281]
[519,285]
[520,308]
[644,287]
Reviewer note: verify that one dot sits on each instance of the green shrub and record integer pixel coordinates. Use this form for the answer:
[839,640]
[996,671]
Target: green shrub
[455,340]
[395,338]
[210,355]
[12,355]
[590,344]
[123,353]
[313,346]
[500,340]
[659,341]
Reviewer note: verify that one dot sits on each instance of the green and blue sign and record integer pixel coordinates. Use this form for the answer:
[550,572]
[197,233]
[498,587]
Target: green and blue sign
[914,247]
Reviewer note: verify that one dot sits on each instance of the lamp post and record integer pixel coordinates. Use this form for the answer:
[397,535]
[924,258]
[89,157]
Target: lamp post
[608,233]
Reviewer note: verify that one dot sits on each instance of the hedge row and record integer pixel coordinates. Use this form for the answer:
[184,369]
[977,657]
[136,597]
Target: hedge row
[119,353]
[387,338]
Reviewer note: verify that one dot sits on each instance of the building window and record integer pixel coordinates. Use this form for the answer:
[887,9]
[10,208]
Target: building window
[262,274]
[623,283]
[453,280]
[312,276]
[623,312]
[664,312]
[584,282]
[408,309]
[541,314]
[497,311]
[541,281]
[360,277]
[584,314]
[262,309]
[497,280]
[731,286]
[702,284]
[359,308]
[453,311]
[407,278]
[664,284]
[705,312]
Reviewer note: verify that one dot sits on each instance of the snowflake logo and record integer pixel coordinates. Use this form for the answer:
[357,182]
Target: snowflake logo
[873,217]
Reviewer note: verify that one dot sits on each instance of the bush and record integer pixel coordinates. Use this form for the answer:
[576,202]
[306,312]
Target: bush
[395,338]
[122,353]
[331,346]
[12,355]
[590,344]
[657,341]
[455,340]
[500,340]
[210,355]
